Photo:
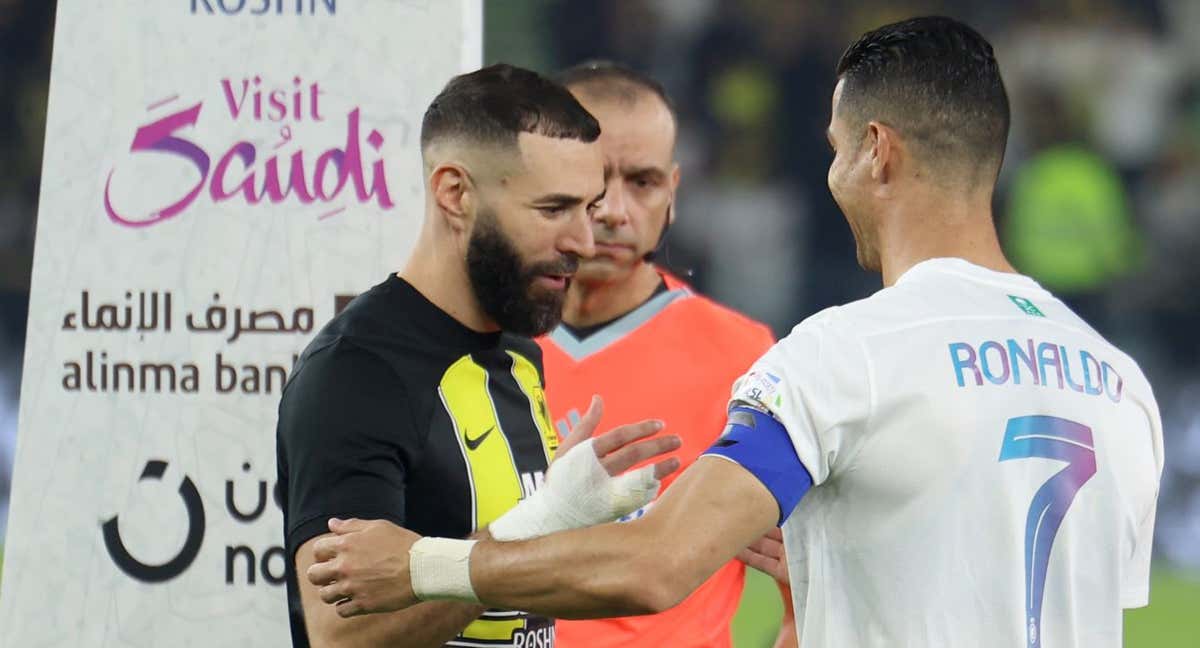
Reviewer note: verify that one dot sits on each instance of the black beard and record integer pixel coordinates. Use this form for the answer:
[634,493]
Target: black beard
[504,286]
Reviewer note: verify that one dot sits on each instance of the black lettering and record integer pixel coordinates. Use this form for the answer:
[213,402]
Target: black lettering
[71,379]
[129,376]
[250,379]
[231,504]
[90,383]
[237,9]
[191,379]
[233,552]
[267,574]
[280,375]
[224,372]
[157,371]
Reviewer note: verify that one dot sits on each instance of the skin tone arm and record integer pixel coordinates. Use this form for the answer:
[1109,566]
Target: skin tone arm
[434,623]
[424,625]
[714,510]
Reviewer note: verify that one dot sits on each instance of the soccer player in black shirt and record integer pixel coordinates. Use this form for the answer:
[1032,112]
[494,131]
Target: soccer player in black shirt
[422,403]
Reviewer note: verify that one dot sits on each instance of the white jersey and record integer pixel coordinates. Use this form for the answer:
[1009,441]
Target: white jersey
[985,467]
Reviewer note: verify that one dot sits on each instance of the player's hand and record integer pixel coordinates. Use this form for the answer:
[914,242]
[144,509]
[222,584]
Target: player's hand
[626,446]
[767,556]
[591,481]
[364,567]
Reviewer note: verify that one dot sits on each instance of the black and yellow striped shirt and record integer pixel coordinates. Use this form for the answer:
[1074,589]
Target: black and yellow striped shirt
[397,411]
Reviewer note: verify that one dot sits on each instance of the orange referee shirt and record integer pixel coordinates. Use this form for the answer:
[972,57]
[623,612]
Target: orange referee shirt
[673,358]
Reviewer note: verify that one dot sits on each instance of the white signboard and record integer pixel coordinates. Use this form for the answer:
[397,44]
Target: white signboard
[217,173]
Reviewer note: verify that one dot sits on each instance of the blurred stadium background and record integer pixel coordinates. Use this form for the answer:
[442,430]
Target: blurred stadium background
[1099,197]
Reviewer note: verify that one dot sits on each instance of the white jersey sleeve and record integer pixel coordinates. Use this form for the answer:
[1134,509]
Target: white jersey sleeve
[1135,582]
[818,385]
[1135,590]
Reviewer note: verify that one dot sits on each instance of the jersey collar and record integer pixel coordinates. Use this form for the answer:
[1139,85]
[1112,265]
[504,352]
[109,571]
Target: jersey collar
[964,268]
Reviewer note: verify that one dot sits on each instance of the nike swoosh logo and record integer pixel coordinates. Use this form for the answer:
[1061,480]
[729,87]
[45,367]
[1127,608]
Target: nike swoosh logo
[472,444]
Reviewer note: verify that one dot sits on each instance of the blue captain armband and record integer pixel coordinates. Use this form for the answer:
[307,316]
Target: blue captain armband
[758,442]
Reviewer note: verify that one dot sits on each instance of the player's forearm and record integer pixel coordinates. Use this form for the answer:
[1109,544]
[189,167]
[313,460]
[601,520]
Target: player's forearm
[605,571]
[712,511]
[425,625]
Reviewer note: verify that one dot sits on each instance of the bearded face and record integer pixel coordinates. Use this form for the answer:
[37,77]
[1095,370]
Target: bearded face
[507,286]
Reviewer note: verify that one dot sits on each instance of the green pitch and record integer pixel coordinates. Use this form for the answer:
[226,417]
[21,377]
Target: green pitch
[1171,621]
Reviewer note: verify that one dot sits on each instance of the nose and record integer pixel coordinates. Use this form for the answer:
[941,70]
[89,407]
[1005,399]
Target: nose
[577,238]
[611,212]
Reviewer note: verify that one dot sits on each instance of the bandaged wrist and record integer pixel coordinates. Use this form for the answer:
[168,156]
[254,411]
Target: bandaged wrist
[440,569]
[578,492]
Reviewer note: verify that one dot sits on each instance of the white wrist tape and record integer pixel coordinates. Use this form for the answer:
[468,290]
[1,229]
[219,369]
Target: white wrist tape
[440,569]
[578,492]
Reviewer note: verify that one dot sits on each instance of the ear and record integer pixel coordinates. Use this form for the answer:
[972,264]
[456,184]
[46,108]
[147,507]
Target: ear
[883,147]
[450,185]
[674,186]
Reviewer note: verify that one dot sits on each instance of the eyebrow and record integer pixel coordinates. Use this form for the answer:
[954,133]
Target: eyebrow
[558,200]
[644,170]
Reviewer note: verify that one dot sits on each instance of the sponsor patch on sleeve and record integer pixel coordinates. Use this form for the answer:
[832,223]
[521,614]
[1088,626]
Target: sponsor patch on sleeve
[761,388]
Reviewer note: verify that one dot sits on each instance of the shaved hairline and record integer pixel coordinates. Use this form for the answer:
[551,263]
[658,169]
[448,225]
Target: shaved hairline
[485,161]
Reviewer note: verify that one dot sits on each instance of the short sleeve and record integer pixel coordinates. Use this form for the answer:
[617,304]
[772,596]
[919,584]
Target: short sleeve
[816,383]
[1135,583]
[345,442]
[1135,578]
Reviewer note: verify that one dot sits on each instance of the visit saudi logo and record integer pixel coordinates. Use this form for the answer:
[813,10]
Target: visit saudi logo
[1026,306]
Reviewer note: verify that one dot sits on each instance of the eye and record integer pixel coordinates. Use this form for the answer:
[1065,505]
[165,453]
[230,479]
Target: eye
[643,182]
[552,211]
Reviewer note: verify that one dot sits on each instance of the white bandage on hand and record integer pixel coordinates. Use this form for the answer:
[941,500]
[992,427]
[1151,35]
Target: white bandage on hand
[440,569]
[578,492]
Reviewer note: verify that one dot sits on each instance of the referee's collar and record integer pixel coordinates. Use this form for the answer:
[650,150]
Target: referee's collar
[621,327]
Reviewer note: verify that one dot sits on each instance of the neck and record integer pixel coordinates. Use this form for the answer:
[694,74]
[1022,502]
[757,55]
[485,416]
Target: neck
[441,276]
[939,225]
[591,303]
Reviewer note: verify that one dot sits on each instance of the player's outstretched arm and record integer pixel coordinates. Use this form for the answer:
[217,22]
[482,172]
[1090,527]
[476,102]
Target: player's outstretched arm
[712,511]
[715,509]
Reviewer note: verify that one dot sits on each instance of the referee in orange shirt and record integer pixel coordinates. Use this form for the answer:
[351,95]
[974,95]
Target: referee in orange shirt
[648,344]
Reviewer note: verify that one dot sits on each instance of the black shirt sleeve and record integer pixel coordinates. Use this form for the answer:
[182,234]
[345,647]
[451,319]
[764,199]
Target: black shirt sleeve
[346,442]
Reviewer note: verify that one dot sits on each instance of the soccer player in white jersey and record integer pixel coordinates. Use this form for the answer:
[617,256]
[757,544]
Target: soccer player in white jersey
[973,464]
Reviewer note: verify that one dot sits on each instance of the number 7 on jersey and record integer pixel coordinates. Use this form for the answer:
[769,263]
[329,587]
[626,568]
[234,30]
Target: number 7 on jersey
[1047,437]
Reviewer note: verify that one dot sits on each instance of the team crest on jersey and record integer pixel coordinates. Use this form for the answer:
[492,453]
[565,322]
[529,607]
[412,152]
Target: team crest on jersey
[1026,306]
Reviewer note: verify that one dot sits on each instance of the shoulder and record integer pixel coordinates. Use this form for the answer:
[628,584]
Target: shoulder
[886,310]
[335,366]
[835,336]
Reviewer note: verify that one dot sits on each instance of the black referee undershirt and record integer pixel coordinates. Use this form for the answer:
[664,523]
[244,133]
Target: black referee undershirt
[583,333]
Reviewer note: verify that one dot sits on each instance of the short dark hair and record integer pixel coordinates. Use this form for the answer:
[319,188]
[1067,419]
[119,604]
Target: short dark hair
[609,79]
[495,104]
[936,81]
